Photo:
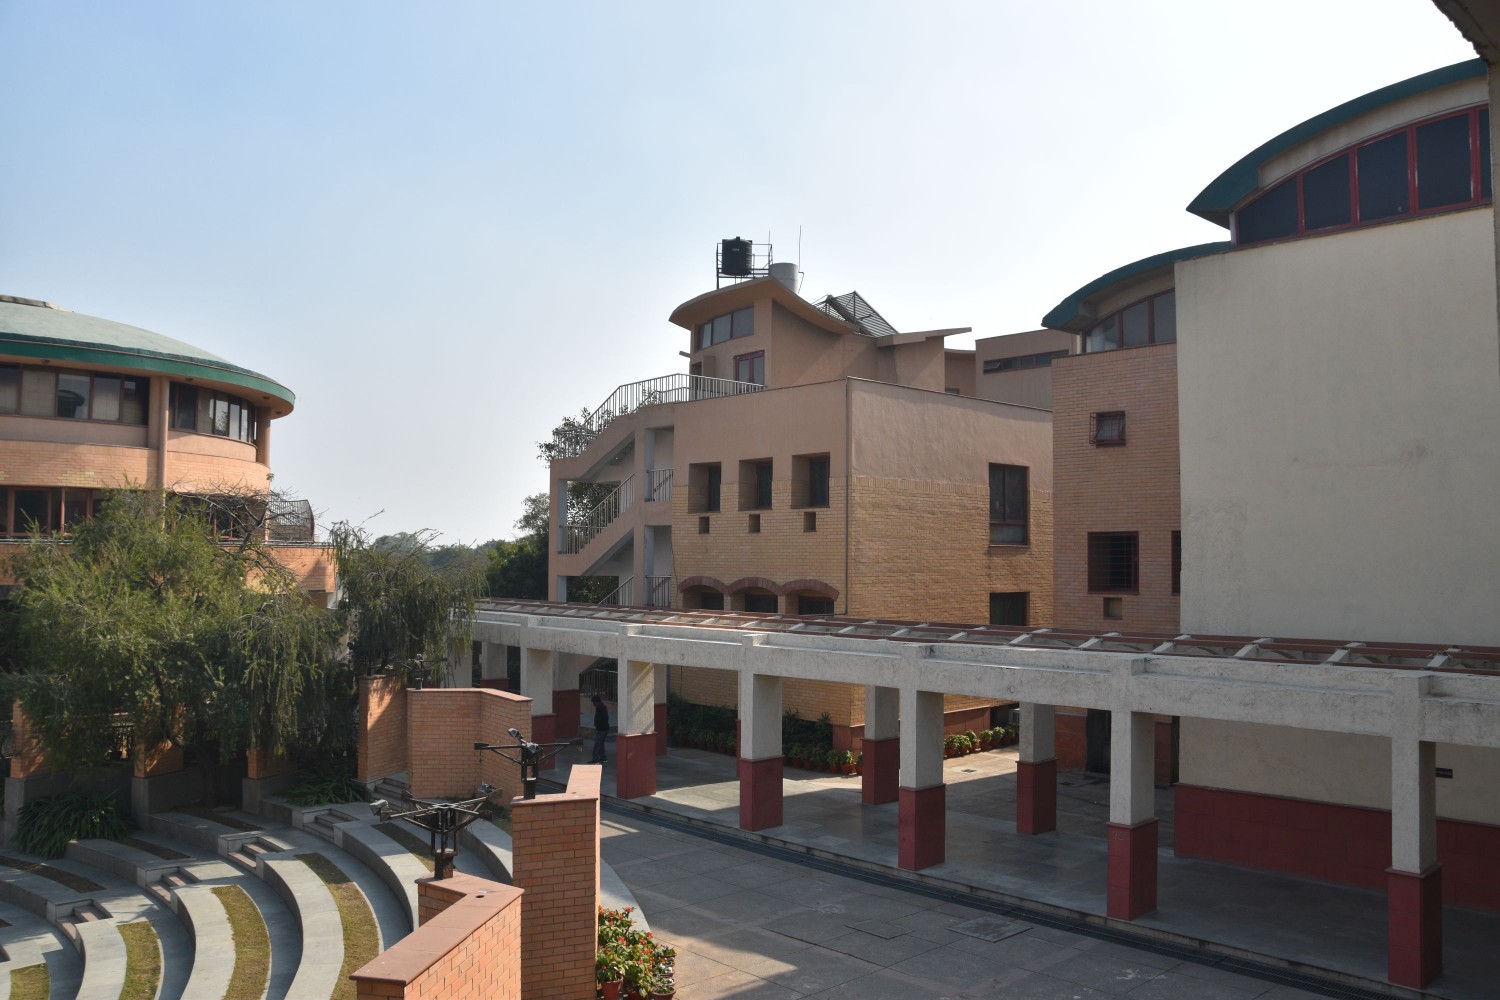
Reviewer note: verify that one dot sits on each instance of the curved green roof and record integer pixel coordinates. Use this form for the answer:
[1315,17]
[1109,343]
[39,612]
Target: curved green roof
[1215,202]
[43,331]
[1065,315]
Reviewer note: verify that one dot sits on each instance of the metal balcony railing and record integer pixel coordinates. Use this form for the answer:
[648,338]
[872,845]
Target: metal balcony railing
[574,437]
[576,537]
[659,486]
[623,594]
[658,591]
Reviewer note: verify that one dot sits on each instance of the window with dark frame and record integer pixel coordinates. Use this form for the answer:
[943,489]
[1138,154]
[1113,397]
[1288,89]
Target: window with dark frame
[813,605]
[210,412]
[762,485]
[1432,165]
[817,482]
[710,600]
[1009,608]
[1152,320]
[714,488]
[730,326]
[67,395]
[1176,562]
[763,604]
[1107,428]
[1009,505]
[1114,563]
[1042,360]
[24,509]
[750,368]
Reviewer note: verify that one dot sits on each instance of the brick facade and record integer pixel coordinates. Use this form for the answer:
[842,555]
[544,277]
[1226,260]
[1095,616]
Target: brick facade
[443,724]
[467,947]
[28,760]
[556,844]
[382,727]
[1129,488]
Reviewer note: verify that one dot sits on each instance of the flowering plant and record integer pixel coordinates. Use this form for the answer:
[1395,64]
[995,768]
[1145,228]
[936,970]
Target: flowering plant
[629,953]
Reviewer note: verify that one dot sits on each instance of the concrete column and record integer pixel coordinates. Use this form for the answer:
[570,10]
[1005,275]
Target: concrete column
[1132,815]
[922,803]
[492,672]
[661,711]
[635,741]
[1414,882]
[1036,771]
[881,777]
[537,671]
[760,761]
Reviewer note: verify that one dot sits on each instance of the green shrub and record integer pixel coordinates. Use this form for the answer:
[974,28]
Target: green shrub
[45,826]
[326,788]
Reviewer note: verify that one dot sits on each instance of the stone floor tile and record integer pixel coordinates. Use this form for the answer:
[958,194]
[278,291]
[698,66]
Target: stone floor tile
[879,950]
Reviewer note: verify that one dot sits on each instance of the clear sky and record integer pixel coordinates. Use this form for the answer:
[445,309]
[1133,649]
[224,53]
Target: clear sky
[446,225]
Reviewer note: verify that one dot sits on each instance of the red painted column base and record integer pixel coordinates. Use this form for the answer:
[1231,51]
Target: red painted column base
[635,765]
[661,728]
[1414,919]
[881,779]
[565,708]
[544,730]
[1036,796]
[922,816]
[760,793]
[1132,870]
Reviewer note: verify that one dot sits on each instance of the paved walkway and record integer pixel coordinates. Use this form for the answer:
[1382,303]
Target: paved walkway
[1334,931]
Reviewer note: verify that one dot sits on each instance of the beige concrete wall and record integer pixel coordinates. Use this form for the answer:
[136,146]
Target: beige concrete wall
[1027,386]
[19,428]
[1329,767]
[805,354]
[1336,400]
[1127,488]
[959,370]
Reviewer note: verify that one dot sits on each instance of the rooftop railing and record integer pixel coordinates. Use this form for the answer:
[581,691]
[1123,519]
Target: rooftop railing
[574,436]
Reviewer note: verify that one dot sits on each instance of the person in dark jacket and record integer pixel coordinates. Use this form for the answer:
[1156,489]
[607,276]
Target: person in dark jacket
[601,729]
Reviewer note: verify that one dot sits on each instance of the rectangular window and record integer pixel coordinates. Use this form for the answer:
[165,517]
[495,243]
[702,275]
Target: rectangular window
[710,600]
[763,484]
[1009,609]
[810,521]
[1325,194]
[1024,361]
[817,482]
[751,368]
[1009,503]
[10,388]
[221,424]
[761,604]
[742,322]
[184,407]
[1271,216]
[73,396]
[1176,562]
[1135,324]
[1164,318]
[135,394]
[1384,181]
[1107,428]
[1103,336]
[33,511]
[106,397]
[714,487]
[754,524]
[75,508]
[1444,174]
[38,392]
[814,605]
[1113,561]
[703,525]
[723,326]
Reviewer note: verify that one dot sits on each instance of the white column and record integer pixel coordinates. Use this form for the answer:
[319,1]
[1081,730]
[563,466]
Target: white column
[921,738]
[1038,732]
[1413,779]
[882,712]
[536,679]
[1132,767]
[492,661]
[760,716]
[637,697]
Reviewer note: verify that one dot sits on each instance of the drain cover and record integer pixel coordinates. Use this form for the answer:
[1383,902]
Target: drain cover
[989,928]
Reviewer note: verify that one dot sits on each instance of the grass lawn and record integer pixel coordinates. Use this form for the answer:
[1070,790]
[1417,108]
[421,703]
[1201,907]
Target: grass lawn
[361,938]
[30,983]
[252,945]
[142,961]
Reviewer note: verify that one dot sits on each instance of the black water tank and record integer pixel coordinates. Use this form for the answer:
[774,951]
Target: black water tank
[735,258]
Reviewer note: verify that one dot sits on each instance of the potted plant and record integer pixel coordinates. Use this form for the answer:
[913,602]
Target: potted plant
[664,982]
[950,746]
[846,761]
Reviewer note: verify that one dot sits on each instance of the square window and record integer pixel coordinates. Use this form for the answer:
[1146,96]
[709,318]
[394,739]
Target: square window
[1107,428]
[1113,561]
[1114,607]
[1009,609]
[751,368]
[1009,505]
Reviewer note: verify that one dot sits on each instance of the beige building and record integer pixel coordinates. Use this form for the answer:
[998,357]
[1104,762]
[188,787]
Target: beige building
[815,461]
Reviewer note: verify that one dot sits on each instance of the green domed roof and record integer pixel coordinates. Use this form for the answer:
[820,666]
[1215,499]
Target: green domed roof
[33,329]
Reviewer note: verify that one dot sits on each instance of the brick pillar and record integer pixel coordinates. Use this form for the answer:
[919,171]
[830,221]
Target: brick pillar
[1414,926]
[760,793]
[922,797]
[1036,771]
[565,708]
[881,775]
[1132,812]
[382,728]
[556,844]
[635,741]
[28,760]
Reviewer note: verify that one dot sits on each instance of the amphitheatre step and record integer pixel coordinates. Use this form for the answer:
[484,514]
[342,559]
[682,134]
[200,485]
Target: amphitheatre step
[28,940]
[388,859]
[306,895]
[202,912]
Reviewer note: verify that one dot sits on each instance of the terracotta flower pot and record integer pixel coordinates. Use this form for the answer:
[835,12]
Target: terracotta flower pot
[848,768]
[611,989]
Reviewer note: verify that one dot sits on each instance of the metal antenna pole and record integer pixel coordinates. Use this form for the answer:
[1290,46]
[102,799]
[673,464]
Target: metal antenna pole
[531,757]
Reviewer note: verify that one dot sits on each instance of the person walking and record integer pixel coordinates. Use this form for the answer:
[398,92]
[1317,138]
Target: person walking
[601,730]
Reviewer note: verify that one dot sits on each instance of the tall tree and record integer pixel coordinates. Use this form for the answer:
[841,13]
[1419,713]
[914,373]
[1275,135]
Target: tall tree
[149,616]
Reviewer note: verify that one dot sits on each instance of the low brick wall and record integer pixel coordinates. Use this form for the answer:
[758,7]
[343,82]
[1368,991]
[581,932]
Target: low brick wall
[467,947]
[443,724]
[382,727]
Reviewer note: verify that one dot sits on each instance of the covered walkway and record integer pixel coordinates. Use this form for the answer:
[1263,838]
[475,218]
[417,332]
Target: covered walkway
[1317,927]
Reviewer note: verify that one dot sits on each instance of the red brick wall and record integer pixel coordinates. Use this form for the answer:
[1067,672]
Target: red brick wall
[1350,845]
[265,764]
[27,759]
[382,727]
[467,947]
[1133,487]
[556,843]
[164,758]
[443,724]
